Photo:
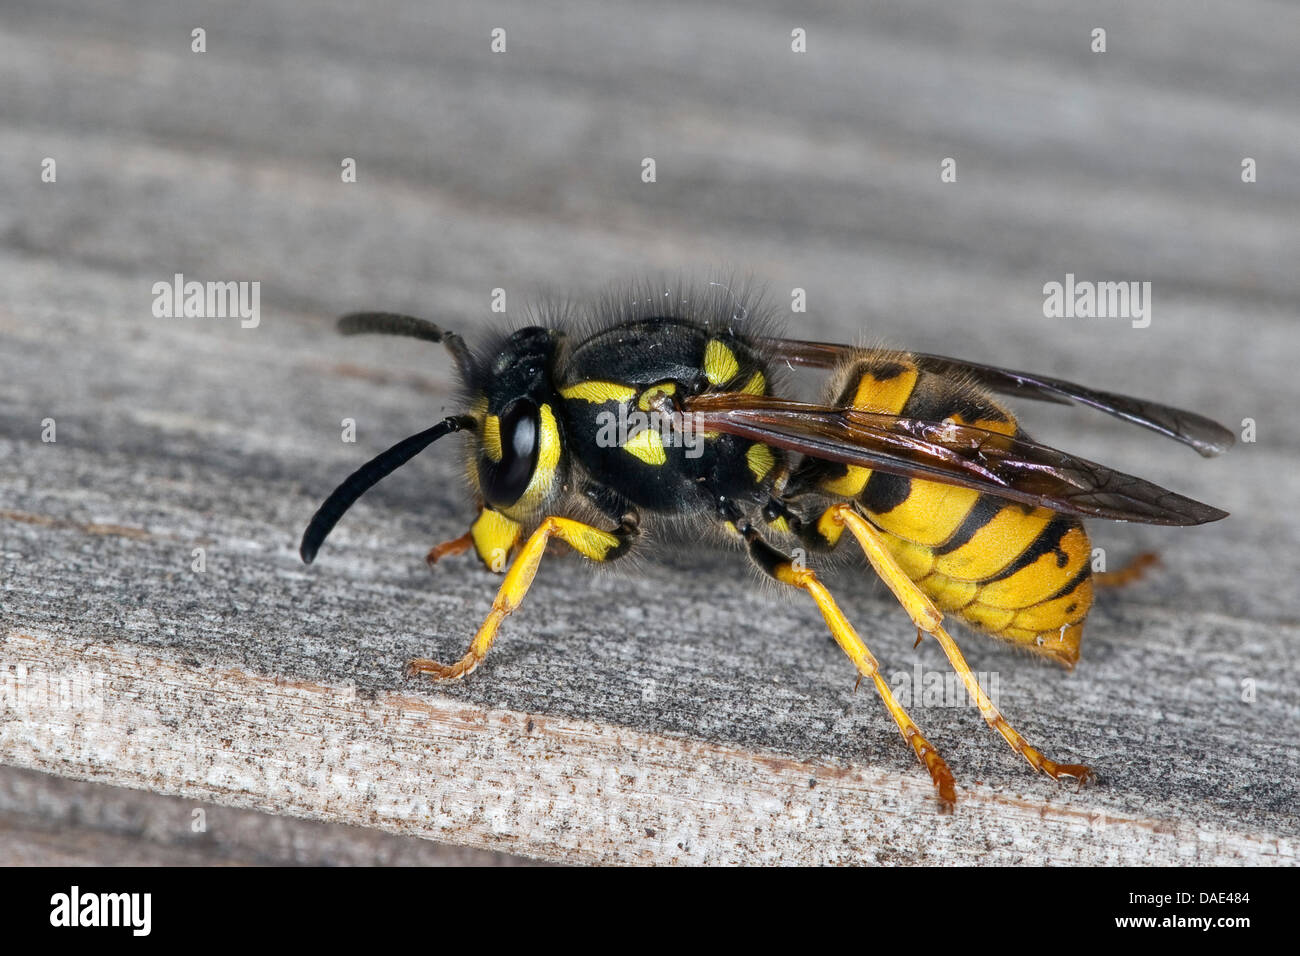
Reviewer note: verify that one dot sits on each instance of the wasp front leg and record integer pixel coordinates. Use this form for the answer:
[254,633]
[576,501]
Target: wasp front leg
[492,535]
[593,543]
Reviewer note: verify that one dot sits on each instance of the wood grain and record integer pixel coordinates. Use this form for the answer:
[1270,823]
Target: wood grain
[672,711]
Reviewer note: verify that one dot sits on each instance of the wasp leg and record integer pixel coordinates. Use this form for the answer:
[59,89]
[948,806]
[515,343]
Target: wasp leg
[492,535]
[593,543]
[454,546]
[1135,570]
[783,568]
[928,618]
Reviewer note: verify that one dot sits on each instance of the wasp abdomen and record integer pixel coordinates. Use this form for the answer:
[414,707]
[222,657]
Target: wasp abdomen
[1013,571]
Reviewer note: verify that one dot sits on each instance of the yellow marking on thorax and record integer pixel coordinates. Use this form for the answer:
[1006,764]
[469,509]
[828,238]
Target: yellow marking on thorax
[760,460]
[598,392]
[652,394]
[757,385]
[648,446]
[720,365]
[492,437]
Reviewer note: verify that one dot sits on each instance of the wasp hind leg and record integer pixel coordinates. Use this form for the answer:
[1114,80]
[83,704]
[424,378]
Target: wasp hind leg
[592,543]
[1135,570]
[448,548]
[783,568]
[928,618]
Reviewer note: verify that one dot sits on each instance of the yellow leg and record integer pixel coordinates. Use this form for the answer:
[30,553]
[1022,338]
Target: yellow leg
[592,542]
[867,666]
[1133,571]
[929,618]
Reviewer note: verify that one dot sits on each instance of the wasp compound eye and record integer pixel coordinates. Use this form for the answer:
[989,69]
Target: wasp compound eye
[506,479]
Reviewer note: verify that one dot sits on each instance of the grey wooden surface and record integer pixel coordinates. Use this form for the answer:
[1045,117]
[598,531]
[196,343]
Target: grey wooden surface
[672,711]
[53,821]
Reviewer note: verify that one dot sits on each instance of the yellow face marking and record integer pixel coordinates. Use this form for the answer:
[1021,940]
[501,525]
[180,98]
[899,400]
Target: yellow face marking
[720,365]
[760,460]
[648,446]
[494,537]
[598,392]
[492,437]
[651,394]
[780,524]
[757,384]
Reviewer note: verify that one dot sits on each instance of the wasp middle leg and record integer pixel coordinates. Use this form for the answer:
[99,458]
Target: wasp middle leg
[1135,570]
[783,568]
[928,618]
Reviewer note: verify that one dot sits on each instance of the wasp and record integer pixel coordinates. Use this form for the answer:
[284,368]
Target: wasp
[605,428]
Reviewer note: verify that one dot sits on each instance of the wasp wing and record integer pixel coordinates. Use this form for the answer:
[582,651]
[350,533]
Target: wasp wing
[1208,437]
[1015,469]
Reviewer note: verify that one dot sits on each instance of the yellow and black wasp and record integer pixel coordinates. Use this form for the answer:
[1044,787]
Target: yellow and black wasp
[658,408]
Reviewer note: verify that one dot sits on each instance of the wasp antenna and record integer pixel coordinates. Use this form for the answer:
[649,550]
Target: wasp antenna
[411,326]
[369,475]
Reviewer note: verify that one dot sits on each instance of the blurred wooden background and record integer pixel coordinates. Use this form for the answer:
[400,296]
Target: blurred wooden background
[674,713]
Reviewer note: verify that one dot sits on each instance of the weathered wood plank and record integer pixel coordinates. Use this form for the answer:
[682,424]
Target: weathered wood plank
[674,697]
[47,820]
